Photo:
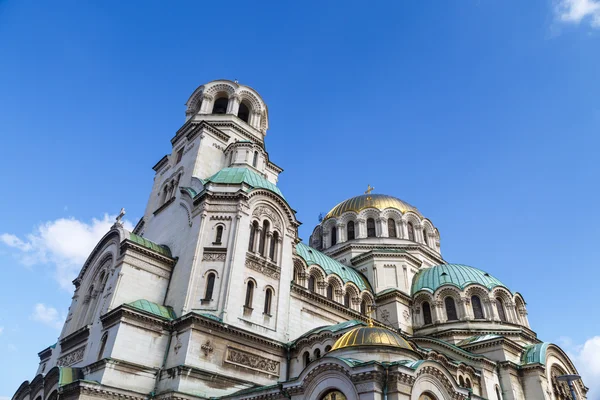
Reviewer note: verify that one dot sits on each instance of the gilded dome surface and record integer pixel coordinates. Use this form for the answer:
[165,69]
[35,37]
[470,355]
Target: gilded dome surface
[371,336]
[459,275]
[378,201]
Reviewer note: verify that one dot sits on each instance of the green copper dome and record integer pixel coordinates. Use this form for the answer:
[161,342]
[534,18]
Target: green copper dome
[459,275]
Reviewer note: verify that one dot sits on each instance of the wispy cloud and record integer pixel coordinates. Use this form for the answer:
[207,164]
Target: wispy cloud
[64,243]
[48,316]
[576,11]
[586,358]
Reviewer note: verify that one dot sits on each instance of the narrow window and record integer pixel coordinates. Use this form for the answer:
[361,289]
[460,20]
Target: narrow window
[219,234]
[311,283]
[425,236]
[317,354]
[477,309]
[306,358]
[347,299]
[450,309]
[268,299]
[392,228]
[210,285]
[363,307]
[371,227]
[295,279]
[461,381]
[249,294]
[179,155]
[330,292]
[426,313]
[273,249]
[333,236]
[253,230]
[411,231]
[244,112]
[102,345]
[327,348]
[255,159]
[220,106]
[263,237]
[350,230]
[498,395]
[468,383]
[500,307]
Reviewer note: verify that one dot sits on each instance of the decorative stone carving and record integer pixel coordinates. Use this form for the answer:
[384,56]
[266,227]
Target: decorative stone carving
[264,267]
[177,345]
[207,348]
[270,213]
[71,358]
[406,315]
[252,361]
[214,256]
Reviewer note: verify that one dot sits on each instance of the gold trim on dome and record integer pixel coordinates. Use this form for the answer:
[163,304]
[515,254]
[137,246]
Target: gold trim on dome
[371,336]
[378,201]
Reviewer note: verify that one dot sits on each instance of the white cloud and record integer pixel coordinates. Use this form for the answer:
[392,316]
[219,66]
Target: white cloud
[64,243]
[586,358]
[575,11]
[48,316]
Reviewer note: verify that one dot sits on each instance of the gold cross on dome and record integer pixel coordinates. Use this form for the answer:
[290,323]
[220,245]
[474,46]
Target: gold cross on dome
[369,189]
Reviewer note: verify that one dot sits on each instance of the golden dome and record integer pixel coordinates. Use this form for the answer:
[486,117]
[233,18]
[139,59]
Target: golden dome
[378,201]
[371,336]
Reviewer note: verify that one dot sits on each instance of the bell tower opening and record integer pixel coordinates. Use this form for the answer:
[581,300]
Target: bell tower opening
[220,106]
[244,112]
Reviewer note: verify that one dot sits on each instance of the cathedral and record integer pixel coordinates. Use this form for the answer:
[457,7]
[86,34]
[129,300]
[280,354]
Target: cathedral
[214,296]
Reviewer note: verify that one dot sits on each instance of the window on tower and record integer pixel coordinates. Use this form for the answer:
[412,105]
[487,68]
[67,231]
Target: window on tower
[477,309]
[179,155]
[333,236]
[330,292]
[425,236]
[244,112]
[411,231]
[392,228]
[426,313]
[219,234]
[350,230]
[500,307]
[268,300]
[450,309]
[249,294]
[210,285]
[255,159]
[220,106]
[371,227]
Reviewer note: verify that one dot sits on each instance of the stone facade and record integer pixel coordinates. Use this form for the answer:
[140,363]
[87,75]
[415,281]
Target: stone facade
[213,295]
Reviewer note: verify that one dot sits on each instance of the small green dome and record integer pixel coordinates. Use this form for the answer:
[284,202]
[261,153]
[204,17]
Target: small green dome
[459,275]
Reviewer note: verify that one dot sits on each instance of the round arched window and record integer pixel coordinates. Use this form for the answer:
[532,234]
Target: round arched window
[334,395]
[427,396]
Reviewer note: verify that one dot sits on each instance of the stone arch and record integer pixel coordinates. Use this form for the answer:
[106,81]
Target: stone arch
[258,196]
[410,216]
[434,378]
[299,274]
[417,308]
[214,89]
[324,375]
[348,216]
[255,103]
[453,292]
[264,210]
[556,357]
[194,101]
[520,309]
[318,272]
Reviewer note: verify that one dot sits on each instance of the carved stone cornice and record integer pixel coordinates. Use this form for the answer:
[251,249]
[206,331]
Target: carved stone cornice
[356,244]
[394,294]
[85,389]
[130,245]
[75,338]
[263,266]
[128,314]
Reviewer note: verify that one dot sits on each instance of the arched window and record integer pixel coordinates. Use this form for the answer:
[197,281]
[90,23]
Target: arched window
[210,285]
[273,249]
[350,230]
[244,112]
[371,228]
[347,299]
[311,283]
[425,236]
[500,307]
[333,235]
[468,384]
[411,231]
[253,230]
[427,396]
[268,300]
[327,348]
[392,228]
[477,309]
[363,307]
[255,159]
[306,358]
[330,292]
[219,234]
[333,395]
[102,345]
[220,106]
[249,294]
[426,313]
[263,237]
[461,381]
[317,354]
[498,395]
[450,309]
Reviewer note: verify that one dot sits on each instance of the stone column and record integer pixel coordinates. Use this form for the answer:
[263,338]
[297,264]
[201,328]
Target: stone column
[339,229]
[467,310]
[362,229]
[233,106]
[268,238]
[257,236]
[207,104]
[418,233]
[491,302]
[255,119]
[402,233]
[383,228]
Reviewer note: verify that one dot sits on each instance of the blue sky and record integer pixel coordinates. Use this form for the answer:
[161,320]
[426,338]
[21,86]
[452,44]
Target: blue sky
[482,113]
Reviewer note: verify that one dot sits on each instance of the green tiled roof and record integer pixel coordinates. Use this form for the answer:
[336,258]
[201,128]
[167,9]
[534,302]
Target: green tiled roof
[238,175]
[535,354]
[331,266]
[153,308]
[68,375]
[331,328]
[459,275]
[477,339]
[161,249]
